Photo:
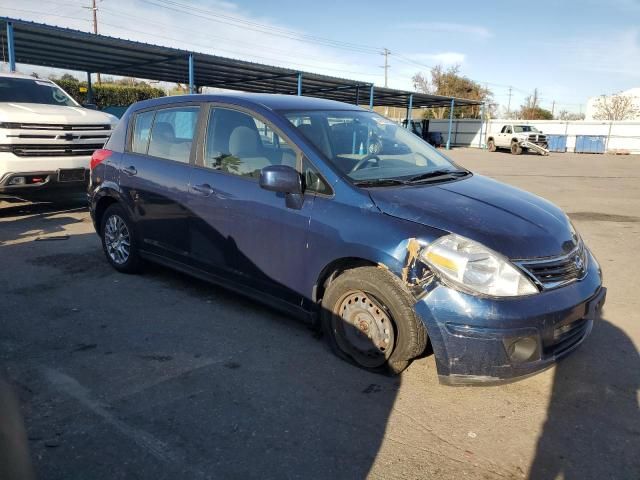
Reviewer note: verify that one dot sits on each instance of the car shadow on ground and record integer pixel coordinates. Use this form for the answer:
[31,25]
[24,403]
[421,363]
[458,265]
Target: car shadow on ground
[592,430]
[164,376]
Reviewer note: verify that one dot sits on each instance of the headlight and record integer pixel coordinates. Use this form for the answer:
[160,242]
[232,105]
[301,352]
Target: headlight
[476,267]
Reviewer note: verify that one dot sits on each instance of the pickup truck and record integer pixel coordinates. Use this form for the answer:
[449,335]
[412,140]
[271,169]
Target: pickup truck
[518,138]
[46,138]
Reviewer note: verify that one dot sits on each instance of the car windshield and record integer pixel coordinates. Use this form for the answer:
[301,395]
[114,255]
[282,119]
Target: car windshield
[368,147]
[25,90]
[524,128]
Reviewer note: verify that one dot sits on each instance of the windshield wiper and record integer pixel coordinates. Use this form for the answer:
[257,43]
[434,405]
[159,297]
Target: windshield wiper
[379,182]
[437,173]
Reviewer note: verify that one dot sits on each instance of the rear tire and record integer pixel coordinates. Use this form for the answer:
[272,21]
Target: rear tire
[515,149]
[369,320]
[491,146]
[119,240]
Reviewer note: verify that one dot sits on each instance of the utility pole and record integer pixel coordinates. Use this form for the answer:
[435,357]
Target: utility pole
[553,108]
[509,104]
[386,53]
[94,10]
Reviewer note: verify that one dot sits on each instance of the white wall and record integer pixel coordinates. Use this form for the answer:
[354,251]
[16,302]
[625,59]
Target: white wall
[621,135]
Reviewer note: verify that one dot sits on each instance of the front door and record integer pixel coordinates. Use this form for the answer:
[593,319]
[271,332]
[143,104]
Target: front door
[237,227]
[154,178]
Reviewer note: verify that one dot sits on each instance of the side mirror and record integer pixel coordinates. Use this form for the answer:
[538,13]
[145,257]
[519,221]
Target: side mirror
[90,106]
[281,178]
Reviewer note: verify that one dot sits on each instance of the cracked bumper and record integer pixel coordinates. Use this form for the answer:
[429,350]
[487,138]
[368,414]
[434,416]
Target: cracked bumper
[480,340]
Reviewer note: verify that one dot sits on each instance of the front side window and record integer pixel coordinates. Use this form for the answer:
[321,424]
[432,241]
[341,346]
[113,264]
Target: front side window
[172,133]
[524,128]
[366,146]
[507,130]
[241,144]
[24,90]
[313,182]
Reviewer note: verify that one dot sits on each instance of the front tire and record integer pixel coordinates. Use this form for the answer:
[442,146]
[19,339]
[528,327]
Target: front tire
[118,240]
[491,146]
[515,148]
[369,320]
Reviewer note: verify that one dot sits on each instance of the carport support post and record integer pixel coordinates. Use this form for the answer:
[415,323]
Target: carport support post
[409,111]
[192,86]
[371,98]
[480,144]
[89,89]
[299,84]
[453,103]
[357,96]
[11,47]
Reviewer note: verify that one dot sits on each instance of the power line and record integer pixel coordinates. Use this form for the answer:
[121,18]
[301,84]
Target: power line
[268,29]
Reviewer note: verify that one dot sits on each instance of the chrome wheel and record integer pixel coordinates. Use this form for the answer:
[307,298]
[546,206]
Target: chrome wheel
[363,329]
[117,239]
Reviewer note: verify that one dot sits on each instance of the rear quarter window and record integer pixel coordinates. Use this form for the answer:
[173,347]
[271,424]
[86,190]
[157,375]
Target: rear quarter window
[142,123]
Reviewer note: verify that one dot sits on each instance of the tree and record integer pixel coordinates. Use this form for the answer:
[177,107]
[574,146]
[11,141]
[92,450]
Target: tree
[615,107]
[567,116]
[450,83]
[531,109]
[67,77]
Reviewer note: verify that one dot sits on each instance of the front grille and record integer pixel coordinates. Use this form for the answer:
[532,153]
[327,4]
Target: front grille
[538,138]
[43,150]
[55,127]
[557,271]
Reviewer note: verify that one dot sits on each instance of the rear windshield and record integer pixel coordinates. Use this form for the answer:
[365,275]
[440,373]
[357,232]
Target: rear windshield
[25,90]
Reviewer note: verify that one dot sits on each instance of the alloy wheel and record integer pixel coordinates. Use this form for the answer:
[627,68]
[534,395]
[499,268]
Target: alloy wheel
[117,239]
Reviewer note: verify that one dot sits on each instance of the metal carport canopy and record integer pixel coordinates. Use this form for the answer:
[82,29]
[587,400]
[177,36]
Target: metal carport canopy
[51,46]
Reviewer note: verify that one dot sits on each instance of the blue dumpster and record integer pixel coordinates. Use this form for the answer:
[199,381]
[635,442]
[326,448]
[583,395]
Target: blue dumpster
[590,143]
[557,143]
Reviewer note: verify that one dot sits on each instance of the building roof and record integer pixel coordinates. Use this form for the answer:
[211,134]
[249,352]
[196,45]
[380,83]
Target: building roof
[51,46]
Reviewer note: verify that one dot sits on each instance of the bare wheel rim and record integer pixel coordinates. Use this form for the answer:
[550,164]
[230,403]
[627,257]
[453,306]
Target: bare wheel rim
[363,329]
[117,239]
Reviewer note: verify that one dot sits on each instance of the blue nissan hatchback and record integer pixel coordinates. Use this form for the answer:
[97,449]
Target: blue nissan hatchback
[335,213]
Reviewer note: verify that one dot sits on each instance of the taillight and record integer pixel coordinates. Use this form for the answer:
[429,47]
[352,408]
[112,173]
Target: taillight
[98,157]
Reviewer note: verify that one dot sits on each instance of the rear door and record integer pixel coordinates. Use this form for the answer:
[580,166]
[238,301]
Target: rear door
[238,228]
[154,177]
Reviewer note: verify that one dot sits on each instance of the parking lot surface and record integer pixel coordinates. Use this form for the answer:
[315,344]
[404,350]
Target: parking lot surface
[162,376]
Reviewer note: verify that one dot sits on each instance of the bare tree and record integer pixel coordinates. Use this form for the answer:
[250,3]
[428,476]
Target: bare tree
[450,83]
[615,107]
[568,116]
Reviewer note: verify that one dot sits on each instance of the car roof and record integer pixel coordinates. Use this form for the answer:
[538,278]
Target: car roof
[20,75]
[267,100]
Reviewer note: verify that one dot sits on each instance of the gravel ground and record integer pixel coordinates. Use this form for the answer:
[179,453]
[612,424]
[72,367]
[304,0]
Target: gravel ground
[161,376]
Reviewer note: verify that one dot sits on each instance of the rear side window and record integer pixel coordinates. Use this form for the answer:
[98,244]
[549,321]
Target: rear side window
[142,132]
[172,133]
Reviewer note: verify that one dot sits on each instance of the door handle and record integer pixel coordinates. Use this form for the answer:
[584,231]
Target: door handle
[131,170]
[203,189]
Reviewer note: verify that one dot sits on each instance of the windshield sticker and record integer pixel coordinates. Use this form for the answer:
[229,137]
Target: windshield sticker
[45,84]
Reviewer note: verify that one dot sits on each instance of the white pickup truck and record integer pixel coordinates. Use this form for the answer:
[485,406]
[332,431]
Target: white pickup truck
[518,138]
[46,138]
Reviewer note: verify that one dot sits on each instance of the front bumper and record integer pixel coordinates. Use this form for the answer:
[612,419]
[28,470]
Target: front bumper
[479,340]
[46,168]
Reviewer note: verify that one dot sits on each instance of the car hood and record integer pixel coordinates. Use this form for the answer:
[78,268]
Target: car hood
[54,114]
[506,219]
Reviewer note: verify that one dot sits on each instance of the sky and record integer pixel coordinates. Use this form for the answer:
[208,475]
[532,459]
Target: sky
[570,50]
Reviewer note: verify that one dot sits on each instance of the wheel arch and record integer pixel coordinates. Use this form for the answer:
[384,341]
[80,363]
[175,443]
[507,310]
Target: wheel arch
[335,268]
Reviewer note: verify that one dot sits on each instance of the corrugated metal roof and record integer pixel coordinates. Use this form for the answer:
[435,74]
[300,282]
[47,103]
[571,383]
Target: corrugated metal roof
[58,47]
